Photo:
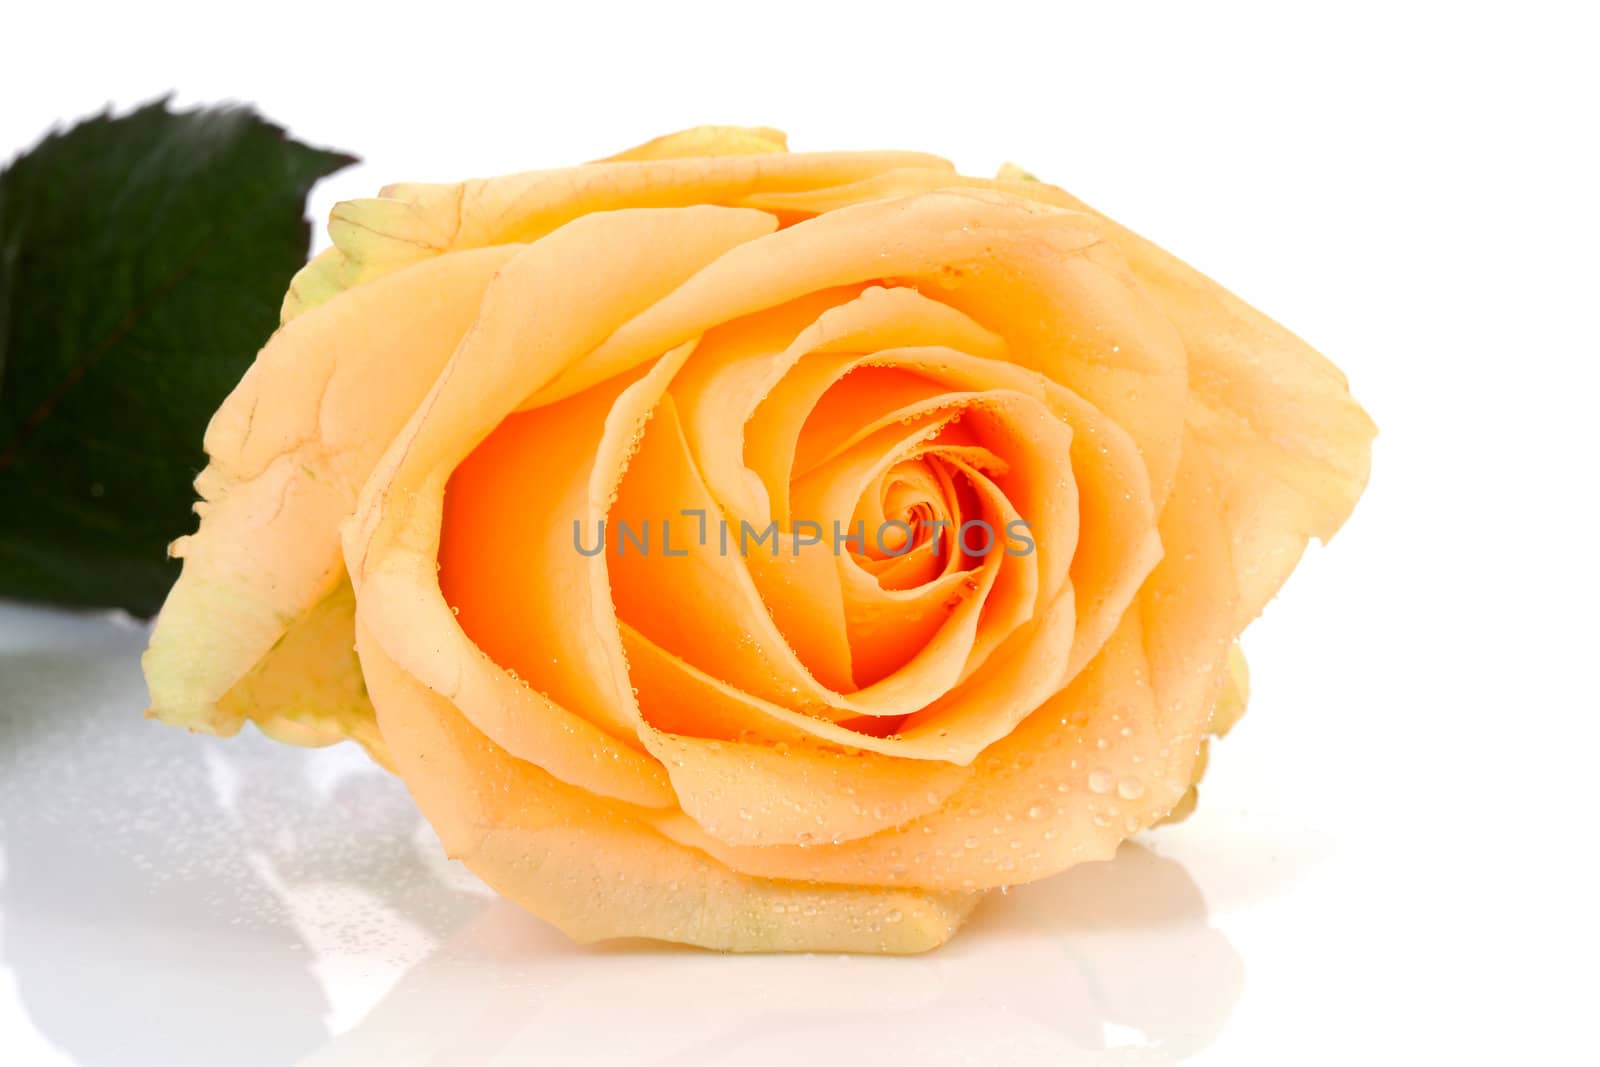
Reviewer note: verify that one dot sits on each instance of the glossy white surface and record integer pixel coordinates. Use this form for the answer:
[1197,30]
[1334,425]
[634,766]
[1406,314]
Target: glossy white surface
[171,899]
[1392,858]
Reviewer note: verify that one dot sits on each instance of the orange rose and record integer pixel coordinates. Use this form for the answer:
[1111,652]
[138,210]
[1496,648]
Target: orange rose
[754,550]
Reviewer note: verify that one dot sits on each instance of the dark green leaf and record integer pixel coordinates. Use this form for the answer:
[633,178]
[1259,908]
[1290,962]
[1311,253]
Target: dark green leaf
[142,262]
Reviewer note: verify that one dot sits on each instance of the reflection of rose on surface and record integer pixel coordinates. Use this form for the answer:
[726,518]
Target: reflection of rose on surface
[115,901]
[1135,930]
[1111,963]
[297,828]
[161,898]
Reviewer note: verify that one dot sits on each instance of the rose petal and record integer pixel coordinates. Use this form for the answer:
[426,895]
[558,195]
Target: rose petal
[667,597]
[707,141]
[412,222]
[1129,363]
[1289,448]
[526,596]
[307,690]
[783,793]
[596,870]
[289,450]
[876,320]
[829,494]
[971,246]
[1228,709]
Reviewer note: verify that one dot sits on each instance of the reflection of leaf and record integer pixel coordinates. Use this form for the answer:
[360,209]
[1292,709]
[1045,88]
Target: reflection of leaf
[142,261]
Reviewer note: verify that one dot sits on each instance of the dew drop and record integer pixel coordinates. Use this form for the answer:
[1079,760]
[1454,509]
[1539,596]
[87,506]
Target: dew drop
[1100,781]
[1130,789]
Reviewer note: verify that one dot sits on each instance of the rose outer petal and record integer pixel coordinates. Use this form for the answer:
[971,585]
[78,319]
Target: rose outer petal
[289,450]
[1289,448]
[596,870]
[413,222]
[707,141]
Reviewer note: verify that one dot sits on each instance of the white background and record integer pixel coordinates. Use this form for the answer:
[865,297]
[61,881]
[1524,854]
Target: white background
[1393,855]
